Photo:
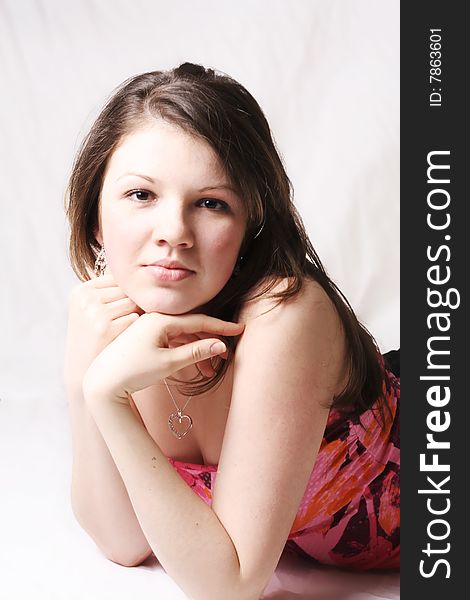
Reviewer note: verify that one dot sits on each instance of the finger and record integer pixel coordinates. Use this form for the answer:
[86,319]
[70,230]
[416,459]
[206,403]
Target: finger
[204,336]
[195,353]
[174,342]
[201,323]
[120,307]
[106,280]
[110,294]
[122,323]
[192,337]
[205,367]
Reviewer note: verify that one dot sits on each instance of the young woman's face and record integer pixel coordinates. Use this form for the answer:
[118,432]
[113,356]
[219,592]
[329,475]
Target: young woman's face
[165,196]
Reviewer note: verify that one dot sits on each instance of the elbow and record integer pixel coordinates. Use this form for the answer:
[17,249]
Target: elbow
[250,588]
[251,592]
[128,550]
[243,594]
[126,559]
[248,584]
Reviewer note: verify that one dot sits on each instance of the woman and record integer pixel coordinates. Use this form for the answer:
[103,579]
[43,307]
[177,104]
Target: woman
[184,234]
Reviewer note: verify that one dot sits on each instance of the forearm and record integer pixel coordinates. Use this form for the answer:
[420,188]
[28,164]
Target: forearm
[99,497]
[182,530]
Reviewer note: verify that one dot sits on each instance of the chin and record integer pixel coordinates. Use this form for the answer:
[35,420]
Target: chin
[171,300]
[165,308]
[166,305]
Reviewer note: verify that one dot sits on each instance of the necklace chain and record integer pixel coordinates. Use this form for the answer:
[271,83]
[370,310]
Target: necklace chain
[180,410]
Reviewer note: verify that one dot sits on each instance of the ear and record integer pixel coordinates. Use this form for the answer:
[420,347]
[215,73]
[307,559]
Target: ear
[97,223]
[97,234]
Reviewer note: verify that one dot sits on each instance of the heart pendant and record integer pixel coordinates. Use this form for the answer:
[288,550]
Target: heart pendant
[179,417]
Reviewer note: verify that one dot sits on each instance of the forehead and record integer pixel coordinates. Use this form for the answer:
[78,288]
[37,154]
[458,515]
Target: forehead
[161,148]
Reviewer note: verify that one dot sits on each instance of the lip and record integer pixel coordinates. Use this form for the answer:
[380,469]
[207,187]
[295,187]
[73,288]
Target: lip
[169,264]
[165,274]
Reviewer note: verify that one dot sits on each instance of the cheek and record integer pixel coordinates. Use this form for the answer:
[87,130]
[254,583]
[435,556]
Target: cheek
[119,240]
[225,242]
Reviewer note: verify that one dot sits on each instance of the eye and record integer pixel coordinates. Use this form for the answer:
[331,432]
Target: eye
[209,203]
[139,193]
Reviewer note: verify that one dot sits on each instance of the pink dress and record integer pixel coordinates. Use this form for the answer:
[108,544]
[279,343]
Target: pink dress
[349,515]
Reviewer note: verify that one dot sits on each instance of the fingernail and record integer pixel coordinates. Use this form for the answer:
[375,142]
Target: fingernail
[218,348]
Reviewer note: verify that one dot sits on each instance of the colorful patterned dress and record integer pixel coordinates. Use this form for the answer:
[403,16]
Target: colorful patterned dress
[349,515]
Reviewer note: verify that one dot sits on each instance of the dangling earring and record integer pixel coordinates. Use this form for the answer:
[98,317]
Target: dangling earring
[261,229]
[236,270]
[100,263]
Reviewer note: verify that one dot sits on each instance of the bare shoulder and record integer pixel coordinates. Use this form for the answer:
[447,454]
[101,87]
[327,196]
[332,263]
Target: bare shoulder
[310,294]
[311,317]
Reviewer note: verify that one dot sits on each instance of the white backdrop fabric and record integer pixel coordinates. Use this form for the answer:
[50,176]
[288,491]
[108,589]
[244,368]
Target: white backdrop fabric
[326,73]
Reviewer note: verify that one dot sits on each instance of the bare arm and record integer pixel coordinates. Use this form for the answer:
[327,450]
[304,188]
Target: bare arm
[100,501]
[287,367]
[98,312]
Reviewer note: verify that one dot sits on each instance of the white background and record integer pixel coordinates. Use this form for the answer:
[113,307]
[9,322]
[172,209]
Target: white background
[326,73]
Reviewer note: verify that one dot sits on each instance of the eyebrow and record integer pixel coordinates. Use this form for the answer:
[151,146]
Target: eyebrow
[222,186]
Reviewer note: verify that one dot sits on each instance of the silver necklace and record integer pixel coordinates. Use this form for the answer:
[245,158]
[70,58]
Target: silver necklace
[178,416]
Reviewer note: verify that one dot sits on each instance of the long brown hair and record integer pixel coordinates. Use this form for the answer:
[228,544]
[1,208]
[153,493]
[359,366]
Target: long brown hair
[222,112]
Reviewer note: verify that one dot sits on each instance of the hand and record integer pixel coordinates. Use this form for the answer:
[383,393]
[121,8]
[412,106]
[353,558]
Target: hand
[145,353]
[99,311]
[204,366]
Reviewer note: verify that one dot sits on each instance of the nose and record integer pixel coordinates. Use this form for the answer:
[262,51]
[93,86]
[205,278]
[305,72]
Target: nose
[172,225]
